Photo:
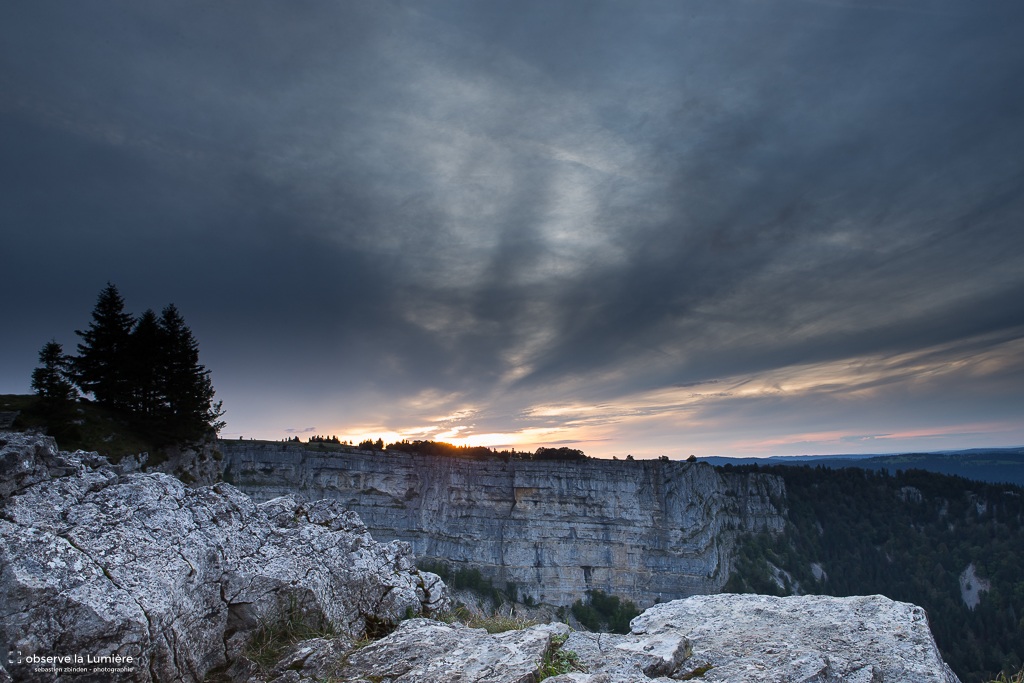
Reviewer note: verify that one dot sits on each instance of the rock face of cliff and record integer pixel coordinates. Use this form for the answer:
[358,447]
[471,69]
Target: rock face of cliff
[97,562]
[645,530]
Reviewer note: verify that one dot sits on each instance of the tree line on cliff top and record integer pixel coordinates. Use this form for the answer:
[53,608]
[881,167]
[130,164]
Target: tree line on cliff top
[444,449]
[143,369]
[448,450]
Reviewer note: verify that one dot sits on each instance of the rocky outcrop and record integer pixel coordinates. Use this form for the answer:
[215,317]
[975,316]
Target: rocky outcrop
[972,586]
[96,563]
[195,464]
[27,459]
[722,638]
[761,639]
[646,530]
[422,650]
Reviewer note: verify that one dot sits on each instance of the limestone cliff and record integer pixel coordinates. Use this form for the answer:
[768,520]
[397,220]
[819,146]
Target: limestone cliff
[645,530]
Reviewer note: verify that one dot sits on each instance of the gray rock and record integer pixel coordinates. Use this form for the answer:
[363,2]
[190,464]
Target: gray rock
[195,465]
[802,639]
[424,651]
[629,657]
[26,459]
[316,659]
[643,530]
[722,638]
[93,562]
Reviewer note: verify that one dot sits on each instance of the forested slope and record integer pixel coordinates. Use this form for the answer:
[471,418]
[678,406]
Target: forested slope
[953,546]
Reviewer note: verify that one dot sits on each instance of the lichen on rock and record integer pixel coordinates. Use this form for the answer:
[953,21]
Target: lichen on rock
[722,638]
[96,562]
[422,650]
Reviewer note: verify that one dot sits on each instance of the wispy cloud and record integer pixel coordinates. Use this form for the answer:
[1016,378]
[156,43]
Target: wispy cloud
[728,409]
[293,430]
[638,223]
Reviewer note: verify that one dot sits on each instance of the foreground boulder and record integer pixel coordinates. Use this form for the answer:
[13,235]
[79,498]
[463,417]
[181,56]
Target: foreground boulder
[419,651]
[161,582]
[723,638]
[423,651]
[762,639]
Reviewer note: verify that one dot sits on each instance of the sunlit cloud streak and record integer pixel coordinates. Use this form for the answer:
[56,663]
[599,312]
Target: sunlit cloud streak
[640,227]
[822,391]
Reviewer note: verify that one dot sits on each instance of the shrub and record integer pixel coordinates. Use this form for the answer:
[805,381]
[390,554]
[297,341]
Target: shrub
[469,578]
[273,636]
[603,612]
[558,661]
[495,623]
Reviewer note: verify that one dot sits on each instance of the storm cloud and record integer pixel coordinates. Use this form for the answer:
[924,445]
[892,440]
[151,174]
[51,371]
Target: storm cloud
[537,222]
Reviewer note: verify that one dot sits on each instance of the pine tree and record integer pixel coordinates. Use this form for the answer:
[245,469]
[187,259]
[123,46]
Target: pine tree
[52,381]
[185,385]
[143,362]
[148,370]
[100,368]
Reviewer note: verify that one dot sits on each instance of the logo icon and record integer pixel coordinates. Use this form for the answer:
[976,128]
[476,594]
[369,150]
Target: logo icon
[13,657]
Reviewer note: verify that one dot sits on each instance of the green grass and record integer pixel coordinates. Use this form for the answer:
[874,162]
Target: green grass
[495,623]
[1013,678]
[697,673]
[558,661]
[274,636]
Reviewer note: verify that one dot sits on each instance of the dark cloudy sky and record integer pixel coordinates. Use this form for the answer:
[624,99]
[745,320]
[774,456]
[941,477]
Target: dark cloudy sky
[697,226]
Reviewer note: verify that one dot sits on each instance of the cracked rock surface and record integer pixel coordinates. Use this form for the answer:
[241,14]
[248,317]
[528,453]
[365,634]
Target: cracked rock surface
[764,639]
[722,638]
[96,561]
[425,651]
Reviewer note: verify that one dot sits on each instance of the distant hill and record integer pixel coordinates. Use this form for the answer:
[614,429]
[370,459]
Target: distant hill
[993,465]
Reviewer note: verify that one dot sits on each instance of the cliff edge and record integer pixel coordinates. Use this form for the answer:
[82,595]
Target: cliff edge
[645,530]
[113,575]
